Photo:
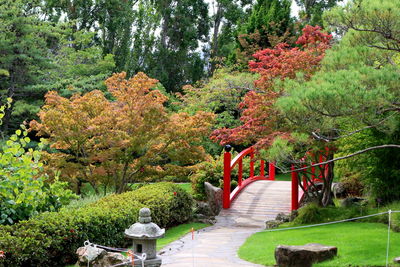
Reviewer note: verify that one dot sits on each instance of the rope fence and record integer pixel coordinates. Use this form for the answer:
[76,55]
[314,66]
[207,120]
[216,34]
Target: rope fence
[192,232]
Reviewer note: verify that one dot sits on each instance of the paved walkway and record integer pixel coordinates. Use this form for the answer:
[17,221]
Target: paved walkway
[217,245]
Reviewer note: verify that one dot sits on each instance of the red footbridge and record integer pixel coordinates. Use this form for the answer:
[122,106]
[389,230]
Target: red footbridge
[289,191]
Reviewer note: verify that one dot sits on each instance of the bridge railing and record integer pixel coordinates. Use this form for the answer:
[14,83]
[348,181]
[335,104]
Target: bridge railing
[230,164]
[297,196]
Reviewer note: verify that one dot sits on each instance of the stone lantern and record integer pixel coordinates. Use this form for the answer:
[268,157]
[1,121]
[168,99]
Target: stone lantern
[144,235]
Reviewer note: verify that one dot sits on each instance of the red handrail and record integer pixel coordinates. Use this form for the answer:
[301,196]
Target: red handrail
[229,164]
[298,196]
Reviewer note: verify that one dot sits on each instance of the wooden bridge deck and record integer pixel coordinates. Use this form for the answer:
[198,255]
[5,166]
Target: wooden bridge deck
[260,201]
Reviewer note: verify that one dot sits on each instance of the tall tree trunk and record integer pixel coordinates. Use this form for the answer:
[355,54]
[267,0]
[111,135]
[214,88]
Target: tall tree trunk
[214,49]
[329,176]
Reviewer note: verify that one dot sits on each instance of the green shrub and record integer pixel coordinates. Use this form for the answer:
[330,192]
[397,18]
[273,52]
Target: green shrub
[378,169]
[51,239]
[312,213]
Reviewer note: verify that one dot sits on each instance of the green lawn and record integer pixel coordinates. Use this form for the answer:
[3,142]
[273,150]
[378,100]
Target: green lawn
[187,187]
[359,244]
[283,177]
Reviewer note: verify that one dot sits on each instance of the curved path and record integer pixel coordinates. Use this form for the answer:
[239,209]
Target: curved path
[217,245]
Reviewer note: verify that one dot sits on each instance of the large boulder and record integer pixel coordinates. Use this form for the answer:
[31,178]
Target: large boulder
[271,224]
[339,190]
[98,257]
[89,254]
[282,217]
[354,202]
[303,256]
[203,208]
[214,197]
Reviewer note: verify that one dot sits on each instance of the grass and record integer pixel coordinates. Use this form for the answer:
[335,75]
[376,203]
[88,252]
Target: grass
[283,177]
[187,187]
[359,244]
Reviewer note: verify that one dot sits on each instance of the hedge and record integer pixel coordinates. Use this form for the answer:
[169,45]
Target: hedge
[51,239]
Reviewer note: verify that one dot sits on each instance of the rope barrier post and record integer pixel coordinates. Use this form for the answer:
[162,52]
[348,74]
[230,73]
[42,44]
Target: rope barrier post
[388,238]
[131,255]
[192,230]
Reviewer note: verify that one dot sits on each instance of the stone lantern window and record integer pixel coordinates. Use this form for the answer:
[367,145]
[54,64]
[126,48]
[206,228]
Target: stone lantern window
[144,235]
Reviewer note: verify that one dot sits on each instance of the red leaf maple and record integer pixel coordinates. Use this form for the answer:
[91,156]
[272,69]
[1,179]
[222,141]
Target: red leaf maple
[261,121]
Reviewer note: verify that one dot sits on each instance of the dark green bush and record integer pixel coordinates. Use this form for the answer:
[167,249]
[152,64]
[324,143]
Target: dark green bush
[52,238]
[312,213]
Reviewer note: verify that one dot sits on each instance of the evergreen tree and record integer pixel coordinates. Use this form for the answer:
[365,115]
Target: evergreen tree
[177,60]
[312,10]
[25,45]
[268,24]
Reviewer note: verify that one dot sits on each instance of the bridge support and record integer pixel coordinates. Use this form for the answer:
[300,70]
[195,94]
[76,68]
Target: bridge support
[226,202]
[295,189]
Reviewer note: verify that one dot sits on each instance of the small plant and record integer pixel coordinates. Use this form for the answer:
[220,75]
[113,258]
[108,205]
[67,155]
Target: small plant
[24,191]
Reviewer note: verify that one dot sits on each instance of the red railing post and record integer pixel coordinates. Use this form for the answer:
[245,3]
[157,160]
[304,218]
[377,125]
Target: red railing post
[252,164]
[305,185]
[227,178]
[295,189]
[312,172]
[240,174]
[271,171]
[262,166]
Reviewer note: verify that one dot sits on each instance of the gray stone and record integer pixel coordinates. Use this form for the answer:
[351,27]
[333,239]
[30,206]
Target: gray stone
[203,208]
[293,215]
[303,256]
[89,254]
[214,197]
[272,224]
[282,217]
[339,190]
[98,257]
[396,260]
[112,258]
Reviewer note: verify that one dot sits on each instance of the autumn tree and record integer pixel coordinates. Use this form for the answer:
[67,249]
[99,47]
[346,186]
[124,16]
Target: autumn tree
[260,119]
[115,143]
[221,95]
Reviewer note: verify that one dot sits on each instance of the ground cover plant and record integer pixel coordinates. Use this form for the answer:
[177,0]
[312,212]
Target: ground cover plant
[51,238]
[359,244]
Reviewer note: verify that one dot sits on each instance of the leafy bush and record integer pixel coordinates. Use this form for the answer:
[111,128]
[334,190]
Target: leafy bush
[312,213]
[52,238]
[378,169]
[24,191]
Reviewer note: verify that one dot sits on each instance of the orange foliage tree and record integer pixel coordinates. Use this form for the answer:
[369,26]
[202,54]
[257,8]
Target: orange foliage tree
[261,122]
[114,143]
